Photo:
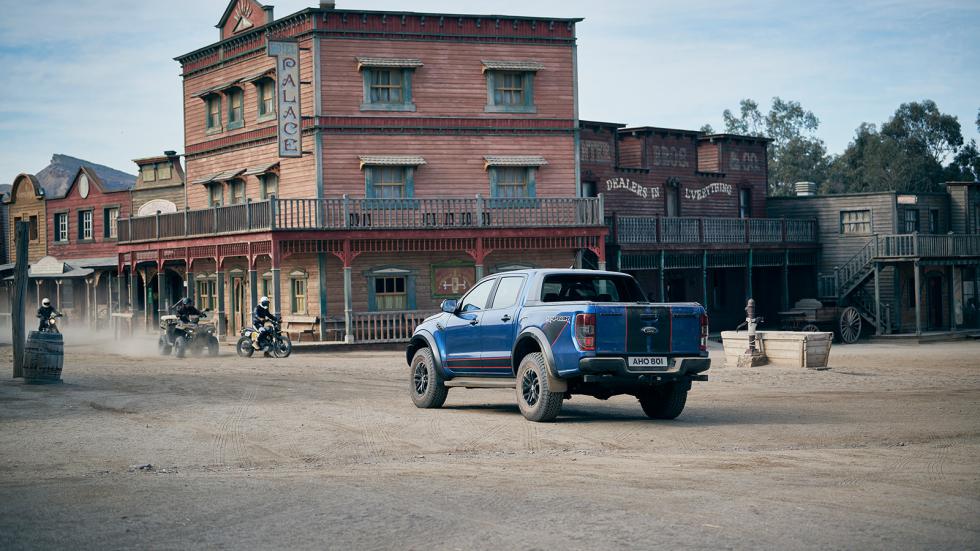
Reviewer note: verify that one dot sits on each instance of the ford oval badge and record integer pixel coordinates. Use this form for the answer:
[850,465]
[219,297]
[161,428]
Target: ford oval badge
[650,330]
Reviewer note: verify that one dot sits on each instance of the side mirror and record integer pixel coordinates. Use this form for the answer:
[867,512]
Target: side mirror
[449,305]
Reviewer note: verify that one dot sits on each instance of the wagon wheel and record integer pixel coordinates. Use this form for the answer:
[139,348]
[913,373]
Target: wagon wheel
[850,325]
[810,327]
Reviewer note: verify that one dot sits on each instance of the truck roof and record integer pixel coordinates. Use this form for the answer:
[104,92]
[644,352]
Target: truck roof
[553,271]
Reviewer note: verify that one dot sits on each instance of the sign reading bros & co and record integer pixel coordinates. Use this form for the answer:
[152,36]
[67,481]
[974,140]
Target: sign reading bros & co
[287,94]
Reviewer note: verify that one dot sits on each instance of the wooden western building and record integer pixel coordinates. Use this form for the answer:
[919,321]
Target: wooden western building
[906,262]
[687,217]
[433,149]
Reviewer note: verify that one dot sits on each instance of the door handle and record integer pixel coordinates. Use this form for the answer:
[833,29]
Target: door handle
[474,322]
[505,318]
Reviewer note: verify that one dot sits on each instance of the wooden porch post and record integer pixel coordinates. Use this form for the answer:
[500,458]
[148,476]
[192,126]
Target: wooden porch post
[321,262]
[57,294]
[660,273]
[918,301]
[952,299]
[219,274]
[704,277]
[785,302]
[88,304]
[348,299]
[132,290]
[18,331]
[877,299]
[253,286]
[276,283]
[601,250]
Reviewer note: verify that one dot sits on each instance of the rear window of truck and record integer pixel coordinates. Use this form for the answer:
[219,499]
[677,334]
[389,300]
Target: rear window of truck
[577,288]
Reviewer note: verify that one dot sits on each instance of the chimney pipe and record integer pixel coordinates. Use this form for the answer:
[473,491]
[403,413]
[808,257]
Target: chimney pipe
[327,5]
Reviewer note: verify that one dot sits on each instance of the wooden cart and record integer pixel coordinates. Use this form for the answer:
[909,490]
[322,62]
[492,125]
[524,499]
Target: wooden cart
[811,315]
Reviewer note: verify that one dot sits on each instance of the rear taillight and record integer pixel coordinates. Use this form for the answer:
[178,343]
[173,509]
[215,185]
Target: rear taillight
[704,332]
[585,331]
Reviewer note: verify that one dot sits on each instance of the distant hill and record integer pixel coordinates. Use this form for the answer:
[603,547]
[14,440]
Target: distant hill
[55,177]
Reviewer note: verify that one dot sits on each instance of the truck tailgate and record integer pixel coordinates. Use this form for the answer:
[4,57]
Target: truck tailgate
[645,329]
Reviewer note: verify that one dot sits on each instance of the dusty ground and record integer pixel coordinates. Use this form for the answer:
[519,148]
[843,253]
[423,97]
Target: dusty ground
[327,451]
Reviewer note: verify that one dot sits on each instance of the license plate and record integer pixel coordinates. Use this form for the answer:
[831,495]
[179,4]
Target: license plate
[648,361]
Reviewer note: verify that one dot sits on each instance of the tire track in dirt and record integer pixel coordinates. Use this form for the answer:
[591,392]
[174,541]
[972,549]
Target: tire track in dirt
[230,438]
[472,444]
[374,431]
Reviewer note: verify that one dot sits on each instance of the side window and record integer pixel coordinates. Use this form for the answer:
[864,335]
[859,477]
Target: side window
[476,299]
[507,292]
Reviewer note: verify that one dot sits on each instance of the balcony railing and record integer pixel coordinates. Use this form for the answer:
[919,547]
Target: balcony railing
[347,213]
[916,245]
[692,231]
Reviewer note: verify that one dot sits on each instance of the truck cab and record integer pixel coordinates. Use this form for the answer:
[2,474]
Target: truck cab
[550,334]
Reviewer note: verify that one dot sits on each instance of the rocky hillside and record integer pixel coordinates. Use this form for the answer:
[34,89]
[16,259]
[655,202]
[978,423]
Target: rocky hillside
[55,177]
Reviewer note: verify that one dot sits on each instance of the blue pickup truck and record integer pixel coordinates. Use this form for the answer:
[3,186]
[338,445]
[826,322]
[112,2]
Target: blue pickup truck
[554,333]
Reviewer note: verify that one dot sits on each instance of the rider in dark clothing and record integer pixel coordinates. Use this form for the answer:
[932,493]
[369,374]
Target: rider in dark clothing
[259,316]
[44,314]
[184,309]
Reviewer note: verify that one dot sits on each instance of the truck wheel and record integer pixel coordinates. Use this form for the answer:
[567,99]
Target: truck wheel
[664,402]
[180,347]
[428,390]
[534,398]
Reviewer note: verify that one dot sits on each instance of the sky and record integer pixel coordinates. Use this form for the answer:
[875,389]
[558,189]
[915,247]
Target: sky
[96,79]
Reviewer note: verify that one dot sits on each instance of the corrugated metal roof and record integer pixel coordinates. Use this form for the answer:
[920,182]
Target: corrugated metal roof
[511,65]
[388,62]
[391,160]
[514,160]
[260,169]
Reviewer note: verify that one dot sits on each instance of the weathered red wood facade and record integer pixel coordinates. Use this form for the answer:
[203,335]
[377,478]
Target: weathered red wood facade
[686,213]
[436,148]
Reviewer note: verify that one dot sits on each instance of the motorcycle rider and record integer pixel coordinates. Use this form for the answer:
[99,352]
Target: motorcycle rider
[260,315]
[44,314]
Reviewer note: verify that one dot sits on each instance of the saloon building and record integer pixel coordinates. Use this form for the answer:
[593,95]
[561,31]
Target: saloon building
[687,217]
[381,162]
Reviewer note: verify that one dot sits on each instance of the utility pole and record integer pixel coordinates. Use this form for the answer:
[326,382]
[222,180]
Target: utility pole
[21,231]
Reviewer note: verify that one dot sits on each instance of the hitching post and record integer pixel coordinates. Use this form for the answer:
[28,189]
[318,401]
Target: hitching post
[752,356]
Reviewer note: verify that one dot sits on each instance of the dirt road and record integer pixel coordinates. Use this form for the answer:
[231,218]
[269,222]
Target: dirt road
[327,451]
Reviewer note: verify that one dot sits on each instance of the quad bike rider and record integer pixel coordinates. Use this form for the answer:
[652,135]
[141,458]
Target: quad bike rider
[184,331]
[265,334]
[47,317]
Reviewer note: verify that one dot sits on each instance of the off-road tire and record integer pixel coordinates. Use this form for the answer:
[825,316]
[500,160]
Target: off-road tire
[282,346]
[664,402]
[180,347]
[212,346]
[163,346]
[425,383]
[534,398]
[244,347]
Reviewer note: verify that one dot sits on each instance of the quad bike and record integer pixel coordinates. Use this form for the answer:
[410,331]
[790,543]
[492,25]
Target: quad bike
[278,342]
[194,336]
[50,325]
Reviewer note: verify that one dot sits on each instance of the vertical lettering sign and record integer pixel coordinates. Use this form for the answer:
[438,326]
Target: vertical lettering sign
[287,94]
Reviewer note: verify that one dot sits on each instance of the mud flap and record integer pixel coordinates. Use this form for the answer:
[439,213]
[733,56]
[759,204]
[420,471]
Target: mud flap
[555,384]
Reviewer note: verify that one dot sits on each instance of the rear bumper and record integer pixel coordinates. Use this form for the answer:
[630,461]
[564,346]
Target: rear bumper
[602,368]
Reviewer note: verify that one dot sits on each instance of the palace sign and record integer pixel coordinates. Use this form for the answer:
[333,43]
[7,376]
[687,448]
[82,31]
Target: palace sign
[287,94]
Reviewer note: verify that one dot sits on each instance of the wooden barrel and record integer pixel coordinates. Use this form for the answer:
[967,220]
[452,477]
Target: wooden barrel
[44,357]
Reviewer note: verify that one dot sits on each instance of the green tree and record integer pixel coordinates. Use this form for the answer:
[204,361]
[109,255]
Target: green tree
[906,155]
[796,153]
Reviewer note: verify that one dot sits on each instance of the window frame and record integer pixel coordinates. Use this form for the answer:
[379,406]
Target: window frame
[221,200]
[264,180]
[527,104]
[81,225]
[239,184]
[843,224]
[212,109]
[260,86]
[170,170]
[913,221]
[207,290]
[295,277]
[149,170]
[57,219]
[496,291]
[407,102]
[233,93]
[385,272]
[934,221]
[745,207]
[530,187]
[372,187]
[109,223]
[492,282]
[33,229]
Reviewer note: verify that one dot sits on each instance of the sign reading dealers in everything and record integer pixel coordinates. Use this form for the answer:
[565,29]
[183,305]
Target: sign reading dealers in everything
[655,193]
[290,129]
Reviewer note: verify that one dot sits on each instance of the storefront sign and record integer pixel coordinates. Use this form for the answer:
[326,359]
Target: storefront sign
[632,187]
[288,115]
[708,190]
[452,280]
[594,151]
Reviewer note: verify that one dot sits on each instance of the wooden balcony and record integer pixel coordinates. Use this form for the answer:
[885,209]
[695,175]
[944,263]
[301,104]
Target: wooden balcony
[700,232]
[915,245]
[347,213]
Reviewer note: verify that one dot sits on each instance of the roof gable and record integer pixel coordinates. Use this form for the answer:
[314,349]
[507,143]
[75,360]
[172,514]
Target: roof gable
[22,179]
[93,179]
[243,15]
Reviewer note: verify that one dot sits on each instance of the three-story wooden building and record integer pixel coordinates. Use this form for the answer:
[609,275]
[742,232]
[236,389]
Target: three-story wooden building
[435,148]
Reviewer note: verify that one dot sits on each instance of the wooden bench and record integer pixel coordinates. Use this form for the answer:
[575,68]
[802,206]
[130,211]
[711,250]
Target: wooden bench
[300,325]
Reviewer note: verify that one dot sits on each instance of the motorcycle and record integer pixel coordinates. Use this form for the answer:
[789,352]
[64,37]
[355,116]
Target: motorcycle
[251,340]
[195,336]
[51,324]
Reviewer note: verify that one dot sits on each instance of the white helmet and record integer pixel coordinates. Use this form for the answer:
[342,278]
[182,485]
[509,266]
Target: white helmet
[45,302]
[264,302]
